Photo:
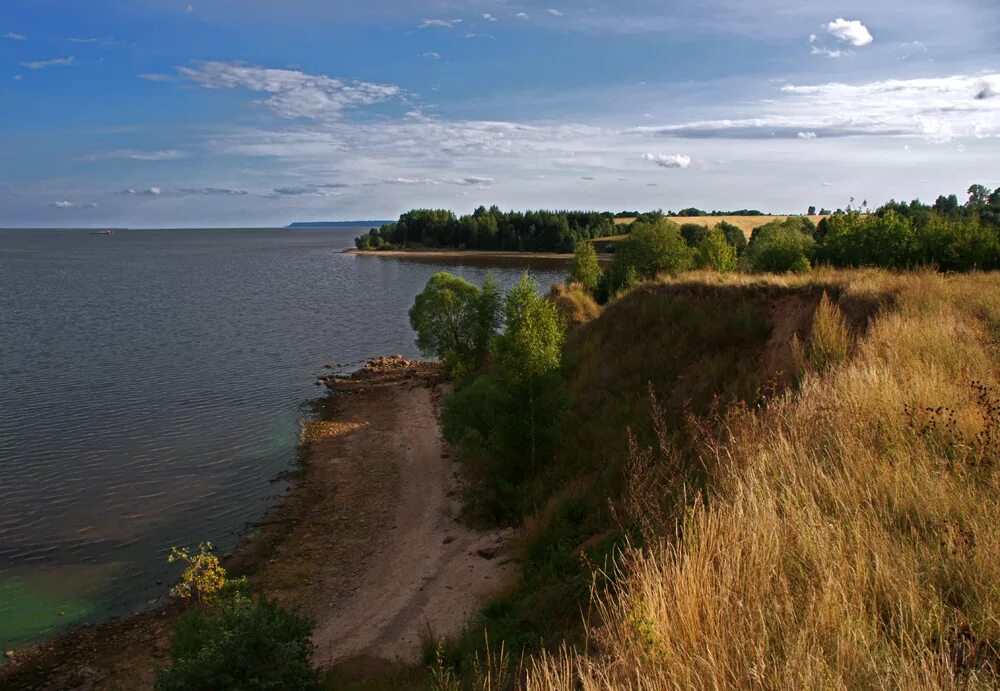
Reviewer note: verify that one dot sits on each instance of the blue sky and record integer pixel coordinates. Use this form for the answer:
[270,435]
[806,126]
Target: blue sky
[256,112]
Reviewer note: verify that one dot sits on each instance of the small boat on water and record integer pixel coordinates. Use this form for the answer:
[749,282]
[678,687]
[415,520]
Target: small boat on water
[103,232]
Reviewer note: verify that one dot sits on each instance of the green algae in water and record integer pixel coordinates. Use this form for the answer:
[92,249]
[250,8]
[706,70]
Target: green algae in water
[38,606]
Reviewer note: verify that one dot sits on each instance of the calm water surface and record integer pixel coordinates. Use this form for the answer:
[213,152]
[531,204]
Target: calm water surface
[151,388]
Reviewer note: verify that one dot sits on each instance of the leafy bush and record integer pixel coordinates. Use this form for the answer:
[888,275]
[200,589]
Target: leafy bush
[779,247]
[239,643]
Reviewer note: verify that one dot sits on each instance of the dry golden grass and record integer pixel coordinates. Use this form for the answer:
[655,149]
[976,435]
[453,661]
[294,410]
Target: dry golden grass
[744,223]
[850,536]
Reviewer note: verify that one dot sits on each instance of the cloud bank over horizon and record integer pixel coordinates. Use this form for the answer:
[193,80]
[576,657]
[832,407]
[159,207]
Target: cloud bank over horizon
[732,114]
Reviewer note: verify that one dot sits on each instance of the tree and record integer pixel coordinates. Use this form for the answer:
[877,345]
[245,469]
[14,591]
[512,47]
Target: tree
[652,248]
[979,196]
[452,319]
[811,211]
[734,236]
[488,317]
[529,354]
[693,233]
[585,268]
[779,247]
[716,253]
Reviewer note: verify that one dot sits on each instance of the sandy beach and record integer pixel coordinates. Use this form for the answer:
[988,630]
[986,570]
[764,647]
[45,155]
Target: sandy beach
[367,542]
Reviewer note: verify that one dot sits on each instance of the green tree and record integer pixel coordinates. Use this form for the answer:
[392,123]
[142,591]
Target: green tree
[734,236]
[716,253]
[454,321]
[779,247]
[651,248]
[585,268]
[529,354]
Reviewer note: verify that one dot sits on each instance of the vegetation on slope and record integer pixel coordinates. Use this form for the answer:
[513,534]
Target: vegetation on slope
[847,533]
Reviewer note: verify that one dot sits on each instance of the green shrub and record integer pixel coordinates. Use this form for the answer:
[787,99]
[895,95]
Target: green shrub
[779,247]
[239,643]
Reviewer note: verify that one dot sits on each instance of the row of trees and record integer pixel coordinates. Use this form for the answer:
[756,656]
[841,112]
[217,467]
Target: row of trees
[491,229]
[960,238]
[505,354]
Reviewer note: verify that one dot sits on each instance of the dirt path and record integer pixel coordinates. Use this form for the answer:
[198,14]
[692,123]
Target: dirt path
[397,567]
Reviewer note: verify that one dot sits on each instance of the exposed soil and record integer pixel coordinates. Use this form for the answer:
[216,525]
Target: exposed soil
[367,542]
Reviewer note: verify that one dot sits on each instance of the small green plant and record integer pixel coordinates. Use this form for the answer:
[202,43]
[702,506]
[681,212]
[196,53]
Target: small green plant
[204,575]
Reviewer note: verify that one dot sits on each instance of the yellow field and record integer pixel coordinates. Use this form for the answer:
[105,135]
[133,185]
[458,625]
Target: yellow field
[744,223]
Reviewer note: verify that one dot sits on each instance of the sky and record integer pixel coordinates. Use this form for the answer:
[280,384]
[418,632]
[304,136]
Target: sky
[172,113]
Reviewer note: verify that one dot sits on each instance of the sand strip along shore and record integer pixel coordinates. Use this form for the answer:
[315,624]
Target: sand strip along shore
[367,542]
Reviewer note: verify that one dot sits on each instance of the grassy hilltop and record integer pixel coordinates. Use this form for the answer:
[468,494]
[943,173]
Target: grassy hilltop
[840,531]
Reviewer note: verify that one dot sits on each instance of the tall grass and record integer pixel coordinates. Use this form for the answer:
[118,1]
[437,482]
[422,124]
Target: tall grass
[846,541]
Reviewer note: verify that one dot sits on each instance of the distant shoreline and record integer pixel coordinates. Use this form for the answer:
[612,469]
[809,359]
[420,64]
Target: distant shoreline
[445,254]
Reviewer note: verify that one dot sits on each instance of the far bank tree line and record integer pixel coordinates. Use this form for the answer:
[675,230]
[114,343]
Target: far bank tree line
[947,235]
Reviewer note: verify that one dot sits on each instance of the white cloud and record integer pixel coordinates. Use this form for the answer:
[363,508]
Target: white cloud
[292,93]
[441,23]
[555,13]
[161,155]
[489,17]
[850,31]
[939,108]
[74,205]
[157,77]
[431,55]
[807,135]
[17,77]
[668,160]
[522,15]
[185,192]
[15,36]
[83,40]
[326,190]
[69,61]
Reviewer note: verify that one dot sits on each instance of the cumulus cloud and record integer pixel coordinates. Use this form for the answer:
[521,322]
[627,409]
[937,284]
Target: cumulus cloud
[74,205]
[555,13]
[441,23]
[807,135]
[431,55]
[489,17]
[69,61]
[668,160]
[292,93]
[850,31]
[938,108]
[522,15]
[10,35]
